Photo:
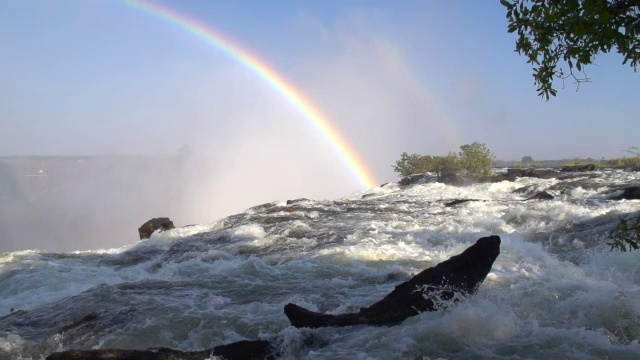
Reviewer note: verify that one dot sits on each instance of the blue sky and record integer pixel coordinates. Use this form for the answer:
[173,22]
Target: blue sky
[100,77]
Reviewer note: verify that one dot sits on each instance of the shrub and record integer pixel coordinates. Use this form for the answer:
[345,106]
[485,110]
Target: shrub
[473,159]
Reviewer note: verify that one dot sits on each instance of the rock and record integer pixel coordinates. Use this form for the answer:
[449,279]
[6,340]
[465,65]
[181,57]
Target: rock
[630,193]
[246,349]
[526,190]
[535,173]
[578,168]
[511,175]
[542,195]
[120,354]
[460,180]
[241,350]
[412,179]
[632,169]
[88,318]
[458,201]
[294,201]
[432,289]
[162,223]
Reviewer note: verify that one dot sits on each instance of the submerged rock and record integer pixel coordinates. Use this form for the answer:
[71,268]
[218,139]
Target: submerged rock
[430,290]
[161,223]
[542,195]
[458,201]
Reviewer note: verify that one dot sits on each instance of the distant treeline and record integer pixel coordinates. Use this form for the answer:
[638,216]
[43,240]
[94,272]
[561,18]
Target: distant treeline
[618,162]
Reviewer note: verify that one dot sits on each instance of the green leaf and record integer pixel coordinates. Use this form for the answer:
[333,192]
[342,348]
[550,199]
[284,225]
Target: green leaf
[506,4]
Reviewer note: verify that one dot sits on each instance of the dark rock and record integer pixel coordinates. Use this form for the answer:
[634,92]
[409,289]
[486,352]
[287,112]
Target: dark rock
[91,317]
[154,224]
[430,290]
[294,201]
[534,173]
[632,169]
[459,180]
[511,175]
[542,195]
[578,168]
[120,354]
[526,190]
[458,201]
[412,179]
[245,349]
[578,176]
[630,193]
[241,350]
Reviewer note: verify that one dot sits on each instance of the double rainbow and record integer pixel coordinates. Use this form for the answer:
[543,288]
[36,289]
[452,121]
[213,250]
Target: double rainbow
[294,96]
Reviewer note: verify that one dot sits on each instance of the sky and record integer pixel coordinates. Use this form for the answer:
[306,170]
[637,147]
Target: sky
[103,77]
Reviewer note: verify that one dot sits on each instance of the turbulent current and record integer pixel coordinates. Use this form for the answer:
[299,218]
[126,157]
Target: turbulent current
[555,291]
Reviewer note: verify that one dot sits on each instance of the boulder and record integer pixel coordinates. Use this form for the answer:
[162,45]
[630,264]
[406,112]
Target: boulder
[295,201]
[161,223]
[630,193]
[578,168]
[432,289]
[458,201]
[535,173]
[460,180]
[412,179]
[542,195]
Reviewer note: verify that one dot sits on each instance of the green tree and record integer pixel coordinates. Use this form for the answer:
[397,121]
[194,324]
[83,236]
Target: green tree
[572,32]
[526,160]
[410,164]
[445,165]
[476,159]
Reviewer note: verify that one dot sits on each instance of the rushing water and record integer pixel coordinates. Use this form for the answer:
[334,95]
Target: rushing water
[556,291]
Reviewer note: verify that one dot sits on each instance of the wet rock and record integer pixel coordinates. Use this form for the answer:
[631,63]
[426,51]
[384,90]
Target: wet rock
[295,201]
[245,349]
[526,190]
[161,223]
[578,168]
[458,201]
[459,180]
[630,193]
[542,195]
[432,289]
[412,179]
[534,173]
[120,354]
[241,350]
[88,318]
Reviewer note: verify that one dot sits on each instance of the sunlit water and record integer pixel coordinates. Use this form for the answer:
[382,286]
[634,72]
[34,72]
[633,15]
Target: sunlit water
[556,291]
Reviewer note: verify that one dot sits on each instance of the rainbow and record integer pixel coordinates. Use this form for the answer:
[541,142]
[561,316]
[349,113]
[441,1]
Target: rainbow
[294,96]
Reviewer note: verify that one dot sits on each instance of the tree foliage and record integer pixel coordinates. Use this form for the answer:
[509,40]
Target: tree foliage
[473,159]
[476,159]
[526,160]
[626,234]
[410,164]
[573,32]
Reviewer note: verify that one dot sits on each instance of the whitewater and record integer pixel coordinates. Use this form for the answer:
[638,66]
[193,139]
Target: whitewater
[555,292]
